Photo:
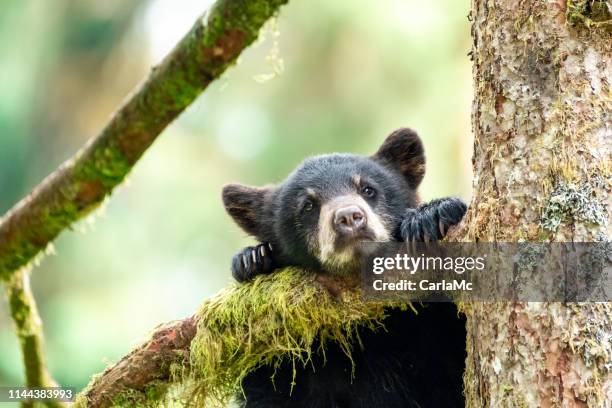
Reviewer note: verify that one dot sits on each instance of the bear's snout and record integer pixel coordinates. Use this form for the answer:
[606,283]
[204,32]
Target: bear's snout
[349,220]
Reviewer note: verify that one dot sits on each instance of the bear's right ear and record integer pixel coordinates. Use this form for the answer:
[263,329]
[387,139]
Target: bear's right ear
[403,151]
[246,205]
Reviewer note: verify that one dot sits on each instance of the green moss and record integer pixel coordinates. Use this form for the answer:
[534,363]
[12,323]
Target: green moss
[42,229]
[276,317]
[245,15]
[590,13]
[107,165]
[153,396]
[18,305]
[21,304]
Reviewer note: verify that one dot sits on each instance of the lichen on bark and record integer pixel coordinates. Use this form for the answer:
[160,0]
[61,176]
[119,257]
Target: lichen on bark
[541,121]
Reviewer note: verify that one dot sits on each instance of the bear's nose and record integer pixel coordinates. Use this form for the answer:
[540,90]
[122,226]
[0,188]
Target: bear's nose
[349,219]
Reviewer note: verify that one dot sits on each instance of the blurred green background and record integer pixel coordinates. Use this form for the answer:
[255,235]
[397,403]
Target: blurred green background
[354,70]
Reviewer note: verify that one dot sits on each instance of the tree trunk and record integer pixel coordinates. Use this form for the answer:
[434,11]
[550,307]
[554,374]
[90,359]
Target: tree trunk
[541,118]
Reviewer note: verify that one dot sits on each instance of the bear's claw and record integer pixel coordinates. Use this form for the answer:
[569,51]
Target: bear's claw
[252,261]
[430,222]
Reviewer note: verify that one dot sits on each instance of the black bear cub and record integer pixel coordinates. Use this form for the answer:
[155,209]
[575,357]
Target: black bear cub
[314,220]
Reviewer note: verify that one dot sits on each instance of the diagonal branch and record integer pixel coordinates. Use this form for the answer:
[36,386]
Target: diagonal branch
[81,183]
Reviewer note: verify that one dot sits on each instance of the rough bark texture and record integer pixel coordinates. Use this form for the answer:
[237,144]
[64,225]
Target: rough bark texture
[542,126]
[147,370]
[81,183]
[28,327]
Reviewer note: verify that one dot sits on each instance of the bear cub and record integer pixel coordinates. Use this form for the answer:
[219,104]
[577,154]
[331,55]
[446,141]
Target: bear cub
[314,220]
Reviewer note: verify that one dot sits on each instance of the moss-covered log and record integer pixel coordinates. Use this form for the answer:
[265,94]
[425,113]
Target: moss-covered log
[542,129]
[81,183]
[276,316]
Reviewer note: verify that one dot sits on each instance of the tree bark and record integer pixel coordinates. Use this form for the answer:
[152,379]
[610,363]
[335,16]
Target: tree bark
[81,184]
[148,364]
[542,129]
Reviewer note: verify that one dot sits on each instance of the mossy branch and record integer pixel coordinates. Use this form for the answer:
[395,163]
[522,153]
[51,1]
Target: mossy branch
[28,327]
[145,374]
[80,184]
[203,358]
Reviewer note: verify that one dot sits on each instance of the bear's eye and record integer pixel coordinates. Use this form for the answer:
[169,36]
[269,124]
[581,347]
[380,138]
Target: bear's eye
[308,206]
[368,191]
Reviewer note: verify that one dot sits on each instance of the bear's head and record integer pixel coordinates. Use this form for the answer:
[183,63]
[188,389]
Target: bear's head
[330,203]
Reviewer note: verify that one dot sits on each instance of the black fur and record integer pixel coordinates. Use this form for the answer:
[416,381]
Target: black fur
[419,360]
[431,221]
[245,204]
[416,361]
[403,150]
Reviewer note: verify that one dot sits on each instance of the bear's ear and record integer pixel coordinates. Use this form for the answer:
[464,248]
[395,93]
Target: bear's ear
[246,206]
[403,151]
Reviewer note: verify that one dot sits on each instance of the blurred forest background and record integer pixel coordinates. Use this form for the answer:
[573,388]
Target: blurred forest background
[328,76]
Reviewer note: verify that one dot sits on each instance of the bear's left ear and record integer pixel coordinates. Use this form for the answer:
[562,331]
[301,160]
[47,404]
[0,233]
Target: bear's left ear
[403,151]
[246,206]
